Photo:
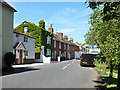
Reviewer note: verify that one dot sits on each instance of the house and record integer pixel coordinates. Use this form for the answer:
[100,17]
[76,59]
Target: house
[43,38]
[23,47]
[6,29]
[61,47]
[81,47]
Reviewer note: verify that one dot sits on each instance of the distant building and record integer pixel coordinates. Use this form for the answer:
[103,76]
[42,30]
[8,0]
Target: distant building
[23,48]
[81,47]
[6,29]
[94,50]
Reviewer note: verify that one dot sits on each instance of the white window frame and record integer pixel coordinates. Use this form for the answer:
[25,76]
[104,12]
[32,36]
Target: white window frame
[25,39]
[26,53]
[48,40]
[54,43]
[64,46]
[65,54]
[48,52]
[54,54]
[59,45]
[68,46]
[60,53]
[25,29]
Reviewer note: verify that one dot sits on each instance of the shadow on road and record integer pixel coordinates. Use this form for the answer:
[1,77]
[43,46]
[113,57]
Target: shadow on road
[20,70]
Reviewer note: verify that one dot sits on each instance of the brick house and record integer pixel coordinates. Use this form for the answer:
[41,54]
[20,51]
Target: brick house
[61,46]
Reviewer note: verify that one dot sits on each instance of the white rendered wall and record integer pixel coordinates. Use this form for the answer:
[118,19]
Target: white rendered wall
[30,46]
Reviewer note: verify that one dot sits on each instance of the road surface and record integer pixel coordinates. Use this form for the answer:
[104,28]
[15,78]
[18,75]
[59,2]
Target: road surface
[66,74]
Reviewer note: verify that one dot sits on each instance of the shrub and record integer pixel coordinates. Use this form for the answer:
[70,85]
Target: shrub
[9,59]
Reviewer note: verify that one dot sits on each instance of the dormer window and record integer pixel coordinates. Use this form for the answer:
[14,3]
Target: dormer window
[25,29]
[25,39]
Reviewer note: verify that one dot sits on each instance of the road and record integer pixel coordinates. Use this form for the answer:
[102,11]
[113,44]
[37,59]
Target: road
[66,74]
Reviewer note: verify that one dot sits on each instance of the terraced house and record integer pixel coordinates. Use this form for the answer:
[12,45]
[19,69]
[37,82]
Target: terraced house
[62,47]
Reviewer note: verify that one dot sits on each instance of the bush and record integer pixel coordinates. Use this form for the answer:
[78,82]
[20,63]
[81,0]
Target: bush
[9,59]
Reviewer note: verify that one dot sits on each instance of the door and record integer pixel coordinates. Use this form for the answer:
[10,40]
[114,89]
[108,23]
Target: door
[21,55]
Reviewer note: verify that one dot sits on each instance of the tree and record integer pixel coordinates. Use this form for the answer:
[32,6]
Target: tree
[111,10]
[105,33]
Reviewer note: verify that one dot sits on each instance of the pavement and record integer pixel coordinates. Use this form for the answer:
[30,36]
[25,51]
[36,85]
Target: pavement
[67,74]
[28,65]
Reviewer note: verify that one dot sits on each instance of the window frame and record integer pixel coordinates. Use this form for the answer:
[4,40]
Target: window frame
[54,43]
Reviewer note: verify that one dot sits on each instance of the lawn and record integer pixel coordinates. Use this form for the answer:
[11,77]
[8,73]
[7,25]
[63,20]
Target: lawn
[105,76]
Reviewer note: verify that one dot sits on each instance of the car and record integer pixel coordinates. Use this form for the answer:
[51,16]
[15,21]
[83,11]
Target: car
[87,60]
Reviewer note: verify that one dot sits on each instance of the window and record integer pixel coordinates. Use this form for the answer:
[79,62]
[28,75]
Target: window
[26,53]
[54,54]
[25,29]
[54,44]
[68,47]
[48,40]
[59,53]
[65,54]
[25,39]
[59,45]
[48,52]
[64,46]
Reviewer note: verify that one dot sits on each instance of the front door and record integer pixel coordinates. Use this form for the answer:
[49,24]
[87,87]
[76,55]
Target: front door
[21,55]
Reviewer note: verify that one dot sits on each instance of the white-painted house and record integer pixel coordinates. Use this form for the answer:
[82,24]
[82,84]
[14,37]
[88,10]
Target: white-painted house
[23,47]
[6,30]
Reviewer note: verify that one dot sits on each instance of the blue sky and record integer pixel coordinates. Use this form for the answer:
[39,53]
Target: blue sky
[71,18]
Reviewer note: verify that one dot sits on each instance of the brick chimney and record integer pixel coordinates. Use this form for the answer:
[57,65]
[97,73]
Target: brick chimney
[50,29]
[66,38]
[60,35]
[71,39]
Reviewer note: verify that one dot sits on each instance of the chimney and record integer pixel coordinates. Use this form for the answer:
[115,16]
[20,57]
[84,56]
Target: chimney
[66,38]
[60,35]
[50,29]
[71,39]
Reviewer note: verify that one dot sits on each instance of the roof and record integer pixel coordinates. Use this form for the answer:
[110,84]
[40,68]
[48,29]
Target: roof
[5,4]
[18,44]
[56,37]
[15,31]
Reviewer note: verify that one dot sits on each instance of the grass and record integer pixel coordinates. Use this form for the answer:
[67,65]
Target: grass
[105,76]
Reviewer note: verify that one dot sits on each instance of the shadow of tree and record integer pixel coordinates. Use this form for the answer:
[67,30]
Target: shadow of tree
[105,80]
[20,70]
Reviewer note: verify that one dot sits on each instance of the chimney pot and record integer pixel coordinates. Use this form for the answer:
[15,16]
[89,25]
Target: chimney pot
[66,37]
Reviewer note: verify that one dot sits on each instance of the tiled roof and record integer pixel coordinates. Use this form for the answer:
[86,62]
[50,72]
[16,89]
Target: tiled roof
[18,44]
[5,4]
[15,31]
[56,37]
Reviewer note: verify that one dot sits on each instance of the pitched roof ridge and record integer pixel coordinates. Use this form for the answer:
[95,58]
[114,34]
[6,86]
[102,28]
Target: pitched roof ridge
[7,5]
[15,31]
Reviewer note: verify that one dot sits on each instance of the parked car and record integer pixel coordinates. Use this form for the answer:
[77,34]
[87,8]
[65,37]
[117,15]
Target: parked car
[87,60]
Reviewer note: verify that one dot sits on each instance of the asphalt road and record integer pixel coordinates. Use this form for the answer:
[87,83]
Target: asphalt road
[67,74]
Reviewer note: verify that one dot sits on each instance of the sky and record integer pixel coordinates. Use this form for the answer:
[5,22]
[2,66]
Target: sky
[71,18]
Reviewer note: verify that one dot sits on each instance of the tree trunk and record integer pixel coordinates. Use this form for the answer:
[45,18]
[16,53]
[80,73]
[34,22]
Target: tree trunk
[111,72]
[105,67]
[100,65]
[118,78]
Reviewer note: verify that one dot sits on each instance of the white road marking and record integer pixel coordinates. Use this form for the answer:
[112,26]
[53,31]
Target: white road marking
[65,67]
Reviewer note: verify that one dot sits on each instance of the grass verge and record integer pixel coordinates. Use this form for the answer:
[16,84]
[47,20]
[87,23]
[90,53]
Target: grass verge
[105,75]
